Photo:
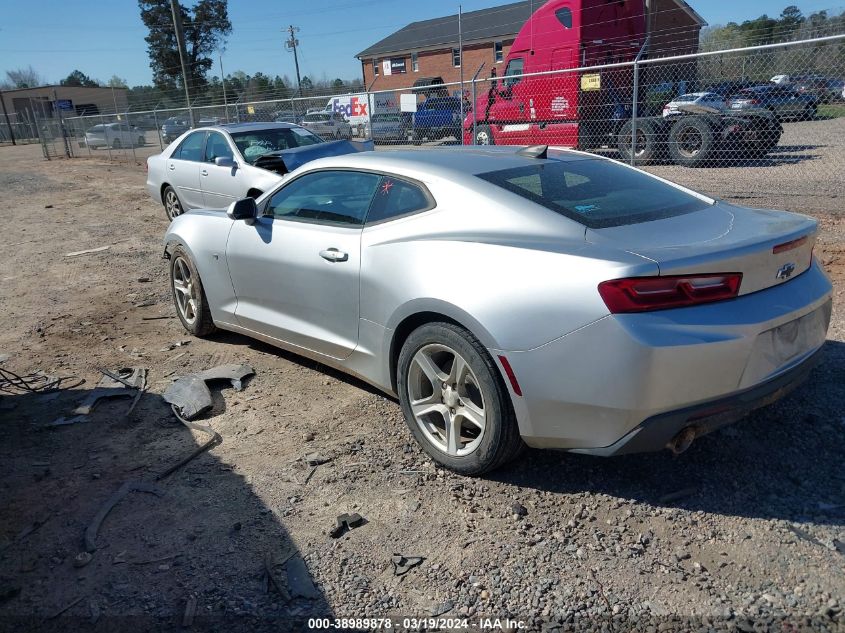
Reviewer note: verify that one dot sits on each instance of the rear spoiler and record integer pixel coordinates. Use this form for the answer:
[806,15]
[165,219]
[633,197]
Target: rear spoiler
[287,160]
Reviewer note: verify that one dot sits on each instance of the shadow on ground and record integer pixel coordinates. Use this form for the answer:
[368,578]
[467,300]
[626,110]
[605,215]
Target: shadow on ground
[205,537]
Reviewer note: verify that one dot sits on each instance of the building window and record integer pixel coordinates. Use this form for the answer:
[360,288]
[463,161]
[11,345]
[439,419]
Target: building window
[415,62]
[456,57]
[375,68]
[498,55]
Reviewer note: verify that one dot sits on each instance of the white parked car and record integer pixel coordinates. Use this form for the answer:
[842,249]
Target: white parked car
[327,124]
[213,166]
[710,99]
[114,135]
[780,79]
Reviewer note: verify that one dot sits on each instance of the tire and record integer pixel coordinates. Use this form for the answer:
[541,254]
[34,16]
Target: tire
[691,142]
[116,144]
[480,395]
[172,205]
[190,302]
[141,141]
[810,113]
[484,135]
[646,150]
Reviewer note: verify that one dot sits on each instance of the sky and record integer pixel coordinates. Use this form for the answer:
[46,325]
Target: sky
[106,37]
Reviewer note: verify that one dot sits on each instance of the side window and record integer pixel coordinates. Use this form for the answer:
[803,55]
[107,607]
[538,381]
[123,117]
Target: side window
[331,197]
[513,73]
[564,16]
[190,148]
[217,147]
[397,197]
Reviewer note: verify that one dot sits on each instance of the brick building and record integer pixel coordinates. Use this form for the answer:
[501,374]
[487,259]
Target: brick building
[429,48]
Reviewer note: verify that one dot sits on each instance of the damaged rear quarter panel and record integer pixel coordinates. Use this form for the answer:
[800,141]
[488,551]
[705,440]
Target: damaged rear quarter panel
[203,235]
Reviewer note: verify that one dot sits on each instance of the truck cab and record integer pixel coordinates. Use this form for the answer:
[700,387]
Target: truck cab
[550,109]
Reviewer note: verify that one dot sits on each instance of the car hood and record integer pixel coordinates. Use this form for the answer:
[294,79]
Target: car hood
[287,160]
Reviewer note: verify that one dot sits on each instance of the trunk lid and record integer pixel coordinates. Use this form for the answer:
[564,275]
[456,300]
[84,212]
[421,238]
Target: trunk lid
[767,247]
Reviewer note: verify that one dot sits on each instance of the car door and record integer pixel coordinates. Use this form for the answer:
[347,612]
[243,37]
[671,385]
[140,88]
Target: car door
[220,185]
[183,170]
[296,269]
[509,112]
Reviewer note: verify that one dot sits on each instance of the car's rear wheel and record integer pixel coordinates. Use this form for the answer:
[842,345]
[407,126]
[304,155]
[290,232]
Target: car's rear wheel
[116,144]
[454,401]
[188,294]
[691,142]
[141,141]
[172,206]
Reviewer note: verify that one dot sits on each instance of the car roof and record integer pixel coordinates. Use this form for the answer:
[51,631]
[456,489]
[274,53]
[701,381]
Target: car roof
[450,163]
[246,127]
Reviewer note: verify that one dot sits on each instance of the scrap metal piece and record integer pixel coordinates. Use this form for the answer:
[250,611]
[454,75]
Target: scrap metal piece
[112,386]
[190,394]
[97,521]
[299,580]
[403,564]
[346,522]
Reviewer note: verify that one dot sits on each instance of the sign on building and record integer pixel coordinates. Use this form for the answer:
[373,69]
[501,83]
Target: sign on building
[385,65]
[397,65]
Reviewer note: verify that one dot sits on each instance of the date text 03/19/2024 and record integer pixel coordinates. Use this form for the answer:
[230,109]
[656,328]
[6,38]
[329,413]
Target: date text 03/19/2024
[417,624]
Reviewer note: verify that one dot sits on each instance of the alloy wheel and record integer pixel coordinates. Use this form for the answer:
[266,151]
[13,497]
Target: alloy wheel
[185,291]
[446,400]
[171,204]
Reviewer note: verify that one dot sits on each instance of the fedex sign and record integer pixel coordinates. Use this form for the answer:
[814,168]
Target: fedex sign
[357,106]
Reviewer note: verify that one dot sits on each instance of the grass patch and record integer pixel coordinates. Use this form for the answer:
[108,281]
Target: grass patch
[831,110]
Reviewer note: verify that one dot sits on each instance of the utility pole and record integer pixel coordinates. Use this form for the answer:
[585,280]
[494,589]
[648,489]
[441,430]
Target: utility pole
[8,124]
[461,58]
[223,79]
[291,45]
[176,9]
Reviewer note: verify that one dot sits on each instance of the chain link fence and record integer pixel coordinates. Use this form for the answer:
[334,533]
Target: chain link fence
[762,123]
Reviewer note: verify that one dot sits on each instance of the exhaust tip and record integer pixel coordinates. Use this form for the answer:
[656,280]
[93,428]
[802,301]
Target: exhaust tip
[682,441]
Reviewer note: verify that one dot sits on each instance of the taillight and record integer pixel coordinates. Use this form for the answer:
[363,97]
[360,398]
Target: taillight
[754,101]
[642,294]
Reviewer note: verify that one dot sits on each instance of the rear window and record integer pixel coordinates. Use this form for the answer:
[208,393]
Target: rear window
[595,192]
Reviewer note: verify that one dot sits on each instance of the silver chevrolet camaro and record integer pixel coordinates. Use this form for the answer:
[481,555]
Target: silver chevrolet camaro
[515,296]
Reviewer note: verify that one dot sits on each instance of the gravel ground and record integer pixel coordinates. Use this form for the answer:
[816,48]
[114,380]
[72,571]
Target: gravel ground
[745,531]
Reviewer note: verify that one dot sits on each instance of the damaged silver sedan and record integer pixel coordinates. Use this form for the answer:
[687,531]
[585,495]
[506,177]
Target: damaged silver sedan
[515,296]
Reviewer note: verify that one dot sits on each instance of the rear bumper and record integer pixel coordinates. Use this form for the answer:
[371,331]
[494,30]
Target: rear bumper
[593,390]
[656,432]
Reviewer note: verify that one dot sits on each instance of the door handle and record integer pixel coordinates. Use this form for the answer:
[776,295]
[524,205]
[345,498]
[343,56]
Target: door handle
[334,255]
[204,172]
[172,166]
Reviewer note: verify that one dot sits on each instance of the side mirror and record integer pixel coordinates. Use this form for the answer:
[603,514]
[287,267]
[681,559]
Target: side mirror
[243,209]
[225,161]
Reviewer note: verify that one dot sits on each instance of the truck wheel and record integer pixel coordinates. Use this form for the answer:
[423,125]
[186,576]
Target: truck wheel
[691,142]
[646,142]
[484,135]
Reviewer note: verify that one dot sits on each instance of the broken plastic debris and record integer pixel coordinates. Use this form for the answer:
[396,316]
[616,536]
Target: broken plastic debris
[346,522]
[191,395]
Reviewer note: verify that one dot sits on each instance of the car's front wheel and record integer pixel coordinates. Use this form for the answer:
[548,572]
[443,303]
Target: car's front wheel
[188,294]
[454,401]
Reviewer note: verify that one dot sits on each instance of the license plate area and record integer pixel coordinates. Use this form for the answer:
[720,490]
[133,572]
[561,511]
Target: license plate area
[776,349]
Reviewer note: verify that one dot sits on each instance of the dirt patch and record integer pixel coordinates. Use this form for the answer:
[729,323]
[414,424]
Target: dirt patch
[755,533]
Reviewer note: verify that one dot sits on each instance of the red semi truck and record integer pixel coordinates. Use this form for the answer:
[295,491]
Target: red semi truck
[589,110]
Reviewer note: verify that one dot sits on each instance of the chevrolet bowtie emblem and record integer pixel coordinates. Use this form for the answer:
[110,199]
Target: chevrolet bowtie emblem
[785,271]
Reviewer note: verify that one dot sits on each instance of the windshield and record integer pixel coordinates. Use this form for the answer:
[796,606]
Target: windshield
[595,192]
[318,116]
[256,143]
